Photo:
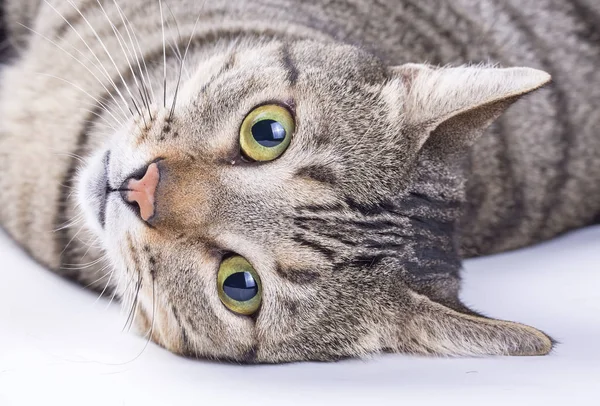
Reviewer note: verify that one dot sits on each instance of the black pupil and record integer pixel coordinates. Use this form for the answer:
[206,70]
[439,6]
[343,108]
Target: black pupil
[268,133]
[240,286]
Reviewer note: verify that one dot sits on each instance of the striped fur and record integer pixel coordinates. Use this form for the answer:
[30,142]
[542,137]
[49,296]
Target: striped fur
[358,230]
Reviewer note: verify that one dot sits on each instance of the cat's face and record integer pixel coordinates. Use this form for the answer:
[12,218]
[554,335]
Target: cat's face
[336,227]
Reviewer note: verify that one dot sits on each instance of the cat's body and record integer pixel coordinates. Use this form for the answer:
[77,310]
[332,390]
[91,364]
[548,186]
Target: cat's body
[532,176]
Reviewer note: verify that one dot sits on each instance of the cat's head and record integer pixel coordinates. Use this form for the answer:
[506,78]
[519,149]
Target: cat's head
[298,203]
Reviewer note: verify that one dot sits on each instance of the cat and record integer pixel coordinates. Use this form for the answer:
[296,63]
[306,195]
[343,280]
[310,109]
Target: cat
[265,181]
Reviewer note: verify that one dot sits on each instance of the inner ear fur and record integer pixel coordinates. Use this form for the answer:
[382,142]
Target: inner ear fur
[432,328]
[451,107]
[459,132]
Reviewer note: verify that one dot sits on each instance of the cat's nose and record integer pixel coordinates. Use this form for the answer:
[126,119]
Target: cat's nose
[142,191]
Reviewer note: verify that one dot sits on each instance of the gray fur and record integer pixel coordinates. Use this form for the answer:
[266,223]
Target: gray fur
[358,230]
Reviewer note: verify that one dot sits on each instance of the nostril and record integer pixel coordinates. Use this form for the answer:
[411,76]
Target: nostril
[142,191]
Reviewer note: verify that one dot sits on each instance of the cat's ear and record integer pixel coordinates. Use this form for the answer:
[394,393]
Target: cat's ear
[452,106]
[432,328]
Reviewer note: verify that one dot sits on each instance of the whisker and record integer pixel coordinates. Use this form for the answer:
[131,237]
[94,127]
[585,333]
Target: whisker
[101,117]
[146,104]
[72,239]
[73,190]
[69,223]
[135,53]
[139,49]
[105,108]
[112,296]
[103,68]
[67,186]
[75,58]
[100,278]
[92,107]
[94,244]
[94,262]
[72,155]
[106,52]
[150,332]
[175,48]
[131,316]
[182,64]
[119,37]
[153,309]
[162,18]
[83,266]
[111,274]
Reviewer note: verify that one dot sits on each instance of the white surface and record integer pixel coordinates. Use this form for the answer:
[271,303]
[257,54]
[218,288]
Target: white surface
[59,346]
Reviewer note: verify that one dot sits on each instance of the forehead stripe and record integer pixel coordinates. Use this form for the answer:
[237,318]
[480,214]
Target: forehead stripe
[298,276]
[288,64]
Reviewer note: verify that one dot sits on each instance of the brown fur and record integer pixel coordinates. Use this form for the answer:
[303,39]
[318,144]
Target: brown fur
[358,229]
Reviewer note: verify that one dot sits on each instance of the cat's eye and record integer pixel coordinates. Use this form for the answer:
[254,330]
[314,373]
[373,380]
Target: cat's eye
[239,286]
[266,132]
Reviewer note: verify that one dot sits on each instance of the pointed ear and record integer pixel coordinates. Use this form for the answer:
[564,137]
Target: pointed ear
[432,328]
[455,105]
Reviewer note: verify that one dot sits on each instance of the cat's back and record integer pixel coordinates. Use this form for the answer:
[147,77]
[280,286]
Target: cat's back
[534,175]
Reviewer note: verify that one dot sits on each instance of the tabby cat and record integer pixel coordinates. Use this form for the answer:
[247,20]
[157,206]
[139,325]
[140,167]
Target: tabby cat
[286,180]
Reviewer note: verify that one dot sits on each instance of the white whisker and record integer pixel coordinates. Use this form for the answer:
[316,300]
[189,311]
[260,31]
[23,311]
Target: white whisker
[72,155]
[114,294]
[105,71]
[93,244]
[85,92]
[70,223]
[107,54]
[135,53]
[121,41]
[182,64]
[111,274]
[83,266]
[140,51]
[75,58]
[175,48]
[100,278]
[164,54]
[101,117]
[135,304]
[148,334]
[151,330]
[67,186]
[72,239]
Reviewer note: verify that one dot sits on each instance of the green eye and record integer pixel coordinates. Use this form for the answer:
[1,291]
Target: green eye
[239,286]
[266,132]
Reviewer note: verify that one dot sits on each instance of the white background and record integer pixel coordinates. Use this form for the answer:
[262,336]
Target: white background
[61,346]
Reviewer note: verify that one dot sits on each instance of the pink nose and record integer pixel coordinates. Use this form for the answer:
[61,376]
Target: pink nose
[142,191]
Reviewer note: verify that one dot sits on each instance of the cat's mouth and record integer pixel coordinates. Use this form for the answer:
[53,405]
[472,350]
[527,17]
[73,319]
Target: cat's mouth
[102,189]
[95,188]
